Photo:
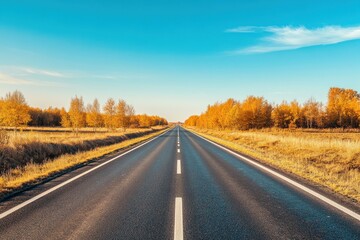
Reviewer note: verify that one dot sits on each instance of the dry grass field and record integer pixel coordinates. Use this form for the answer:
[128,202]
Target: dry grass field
[28,156]
[330,158]
[64,135]
[36,146]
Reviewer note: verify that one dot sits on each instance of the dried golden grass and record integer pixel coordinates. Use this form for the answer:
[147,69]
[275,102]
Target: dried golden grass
[63,135]
[38,146]
[31,173]
[326,158]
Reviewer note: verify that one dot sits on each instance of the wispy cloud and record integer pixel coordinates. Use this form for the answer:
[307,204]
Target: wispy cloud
[26,71]
[43,72]
[11,80]
[21,74]
[288,37]
[101,76]
[7,79]
[110,76]
[118,77]
[19,70]
[246,29]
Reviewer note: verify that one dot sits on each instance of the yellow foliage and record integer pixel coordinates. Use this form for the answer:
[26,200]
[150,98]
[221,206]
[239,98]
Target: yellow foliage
[14,112]
[343,110]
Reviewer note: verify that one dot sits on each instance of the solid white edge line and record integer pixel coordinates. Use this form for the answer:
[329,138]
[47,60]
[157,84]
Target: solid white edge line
[178,224]
[288,180]
[14,209]
[178,167]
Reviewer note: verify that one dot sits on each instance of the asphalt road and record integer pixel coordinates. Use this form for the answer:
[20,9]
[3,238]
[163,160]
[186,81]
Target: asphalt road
[177,186]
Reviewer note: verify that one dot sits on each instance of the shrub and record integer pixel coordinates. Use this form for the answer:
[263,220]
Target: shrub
[4,137]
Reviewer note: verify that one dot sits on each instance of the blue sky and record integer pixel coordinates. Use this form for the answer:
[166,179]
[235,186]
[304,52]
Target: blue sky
[173,58]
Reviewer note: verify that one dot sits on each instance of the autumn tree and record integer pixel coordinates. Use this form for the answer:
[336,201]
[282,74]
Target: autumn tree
[313,113]
[77,113]
[36,115]
[356,106]
[144,120]
[110,114]
[14,112]
[256,113]
[295,109]
[65,118]
[192,121]
[121,119]
[229,114]
[50,117]
[214,115]
[93,115]
[130,113]
[224,115]
[201,122]
[282,115]
[342,108]
[157,121]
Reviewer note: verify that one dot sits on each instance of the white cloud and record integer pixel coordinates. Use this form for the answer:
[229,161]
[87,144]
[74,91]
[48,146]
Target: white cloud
[287,38]
[245,29]
[10,80]
[7,79]
[22,73]
[18,70]
[43,72]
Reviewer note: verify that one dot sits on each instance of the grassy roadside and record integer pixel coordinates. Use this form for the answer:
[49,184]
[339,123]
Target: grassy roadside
[38,147]
[33,174]
[330,160]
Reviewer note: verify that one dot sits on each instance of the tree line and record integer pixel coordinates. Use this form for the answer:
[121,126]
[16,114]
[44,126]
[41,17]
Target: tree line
[341,111]
[15,112]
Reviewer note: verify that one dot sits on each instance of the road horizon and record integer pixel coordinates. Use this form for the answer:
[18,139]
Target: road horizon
[177,185]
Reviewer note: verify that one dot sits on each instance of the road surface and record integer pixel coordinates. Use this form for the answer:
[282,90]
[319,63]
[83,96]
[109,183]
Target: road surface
[176,186]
